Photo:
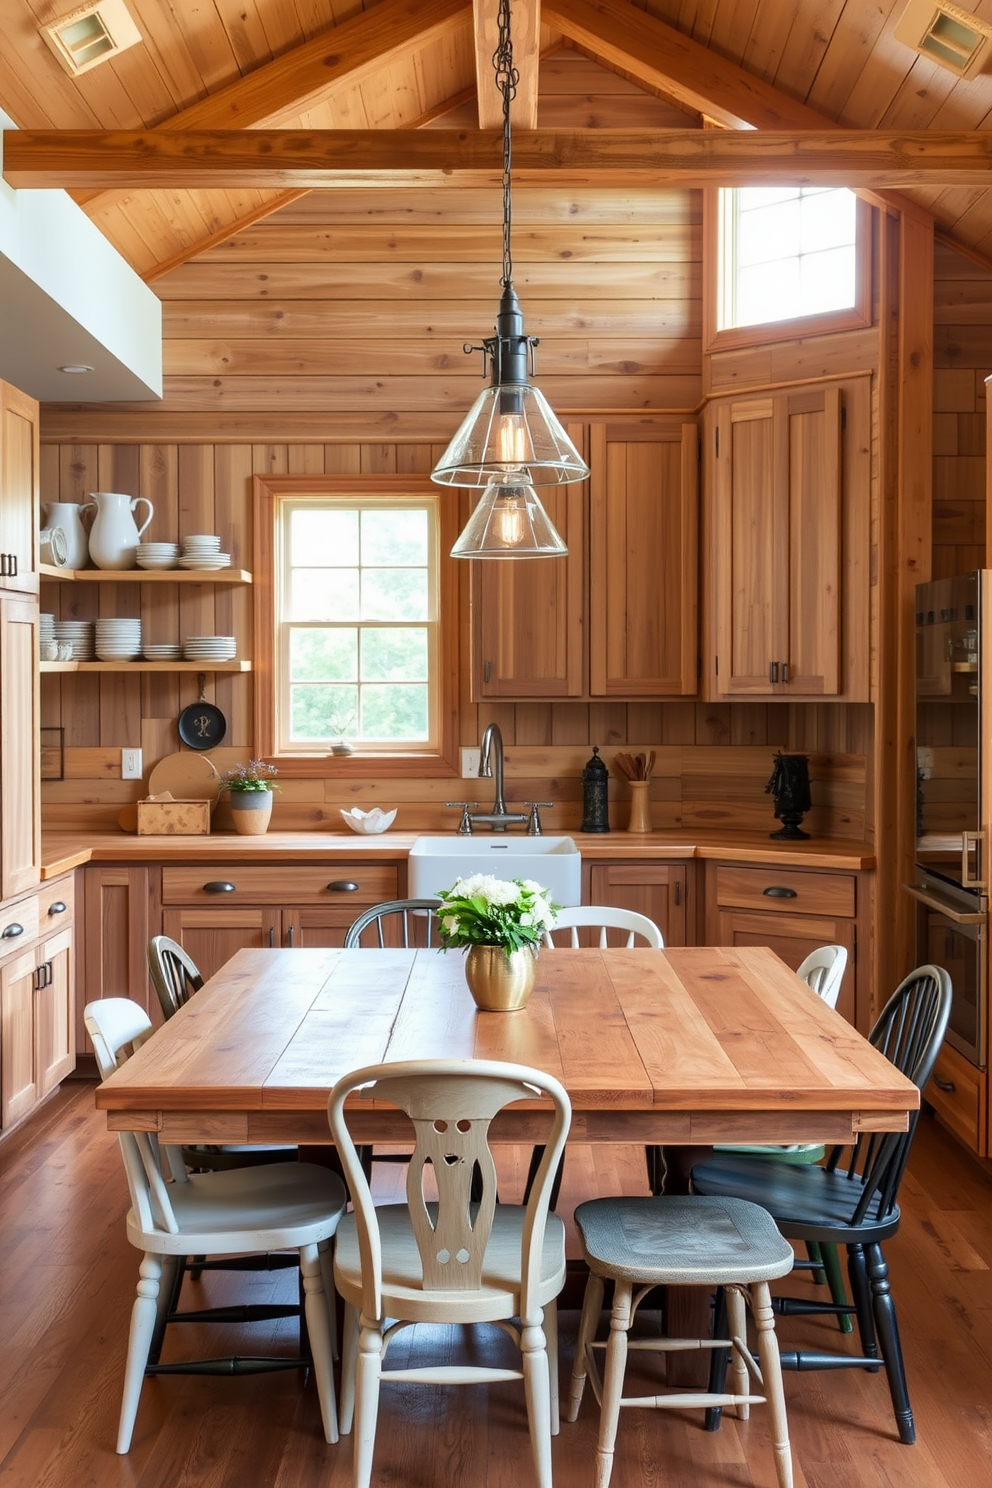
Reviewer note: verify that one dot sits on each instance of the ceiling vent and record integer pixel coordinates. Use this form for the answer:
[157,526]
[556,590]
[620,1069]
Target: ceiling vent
[90,35]
[946,35]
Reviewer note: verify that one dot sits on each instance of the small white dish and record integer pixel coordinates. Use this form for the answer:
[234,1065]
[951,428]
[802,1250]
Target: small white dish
[369,822]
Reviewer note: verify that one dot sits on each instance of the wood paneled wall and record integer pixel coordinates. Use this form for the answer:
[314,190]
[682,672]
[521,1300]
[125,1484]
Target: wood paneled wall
[962,358]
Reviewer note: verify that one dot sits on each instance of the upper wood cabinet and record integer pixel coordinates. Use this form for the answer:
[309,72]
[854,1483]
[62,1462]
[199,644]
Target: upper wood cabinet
[623,624]
[20,784]
[18,490]
[788,521]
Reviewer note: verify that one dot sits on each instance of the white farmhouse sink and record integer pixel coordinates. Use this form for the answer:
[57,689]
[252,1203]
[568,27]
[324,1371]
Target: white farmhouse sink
[554,862]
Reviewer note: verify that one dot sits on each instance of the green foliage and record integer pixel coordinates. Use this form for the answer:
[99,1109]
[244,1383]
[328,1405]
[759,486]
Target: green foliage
[483,910]
[256,775]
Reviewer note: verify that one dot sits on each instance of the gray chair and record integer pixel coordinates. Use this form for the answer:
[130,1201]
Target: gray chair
[639,1244]
[414,918]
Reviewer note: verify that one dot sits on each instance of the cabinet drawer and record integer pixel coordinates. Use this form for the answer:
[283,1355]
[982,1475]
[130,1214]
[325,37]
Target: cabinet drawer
[955,1094]
[56,903]
[328,883]
[23,914]
[786,890]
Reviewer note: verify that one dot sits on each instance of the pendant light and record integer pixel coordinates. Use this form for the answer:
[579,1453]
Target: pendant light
[509,441]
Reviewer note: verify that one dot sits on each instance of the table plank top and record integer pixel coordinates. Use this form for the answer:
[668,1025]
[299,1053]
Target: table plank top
[724,1032]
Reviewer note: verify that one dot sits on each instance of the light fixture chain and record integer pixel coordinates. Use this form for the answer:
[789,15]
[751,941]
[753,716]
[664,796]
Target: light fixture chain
[507,78]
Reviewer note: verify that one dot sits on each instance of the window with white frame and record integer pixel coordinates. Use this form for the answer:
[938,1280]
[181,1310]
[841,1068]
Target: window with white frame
[787,253]
[356,612]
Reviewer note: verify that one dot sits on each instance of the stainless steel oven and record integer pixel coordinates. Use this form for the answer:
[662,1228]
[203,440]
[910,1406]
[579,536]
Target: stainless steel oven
[952,932]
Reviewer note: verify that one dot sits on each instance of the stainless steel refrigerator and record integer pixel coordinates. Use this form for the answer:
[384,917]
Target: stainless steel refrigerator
[953,794]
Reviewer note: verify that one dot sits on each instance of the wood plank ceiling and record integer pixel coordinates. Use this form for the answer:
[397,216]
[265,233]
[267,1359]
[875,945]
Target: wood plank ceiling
[408,63]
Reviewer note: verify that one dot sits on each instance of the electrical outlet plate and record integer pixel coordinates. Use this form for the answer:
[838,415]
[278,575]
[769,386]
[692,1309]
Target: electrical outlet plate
[131,764]
[470,763]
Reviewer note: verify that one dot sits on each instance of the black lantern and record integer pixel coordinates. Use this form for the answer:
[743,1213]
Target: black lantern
[595,795]
[789,784]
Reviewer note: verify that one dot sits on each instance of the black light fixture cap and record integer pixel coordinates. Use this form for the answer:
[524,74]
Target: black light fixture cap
[510,346]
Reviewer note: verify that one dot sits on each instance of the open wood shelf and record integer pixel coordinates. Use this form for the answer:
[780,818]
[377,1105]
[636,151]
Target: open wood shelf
[145,576]
[144,666]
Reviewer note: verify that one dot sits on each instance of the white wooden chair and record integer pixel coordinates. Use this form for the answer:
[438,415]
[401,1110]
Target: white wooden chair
[449,1259]
[604,917]
[238,1211]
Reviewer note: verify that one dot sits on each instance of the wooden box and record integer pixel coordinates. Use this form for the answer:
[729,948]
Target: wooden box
[173,818]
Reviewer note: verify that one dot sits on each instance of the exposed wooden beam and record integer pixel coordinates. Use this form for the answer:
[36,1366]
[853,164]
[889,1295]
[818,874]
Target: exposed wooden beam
[525,27]
[325,158]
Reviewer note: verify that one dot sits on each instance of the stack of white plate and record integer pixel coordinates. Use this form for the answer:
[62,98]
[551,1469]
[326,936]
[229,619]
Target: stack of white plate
[203,552]
[118,640]
[152,555]
[80,634]
[46,631]
[173,651]
[210,648]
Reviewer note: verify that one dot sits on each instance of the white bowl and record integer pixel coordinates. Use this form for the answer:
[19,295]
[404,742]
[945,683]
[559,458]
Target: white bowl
[368,822]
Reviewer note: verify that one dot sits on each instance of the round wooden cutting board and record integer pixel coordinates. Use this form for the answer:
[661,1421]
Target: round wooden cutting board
[189,776]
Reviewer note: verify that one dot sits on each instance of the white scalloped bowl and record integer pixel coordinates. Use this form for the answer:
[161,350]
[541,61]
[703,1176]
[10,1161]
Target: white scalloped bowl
[368,822]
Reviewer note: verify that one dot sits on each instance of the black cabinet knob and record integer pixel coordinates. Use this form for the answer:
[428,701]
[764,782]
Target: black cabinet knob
[218,886]
[777,891]
[342,886]
[59,907]
[12,931]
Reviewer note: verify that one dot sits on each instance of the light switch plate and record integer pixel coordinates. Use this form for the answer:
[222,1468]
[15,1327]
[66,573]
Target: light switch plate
[470,763]
[131,764]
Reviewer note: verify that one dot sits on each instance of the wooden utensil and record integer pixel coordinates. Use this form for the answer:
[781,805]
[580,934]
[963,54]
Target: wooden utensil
[640,764]
[650,769]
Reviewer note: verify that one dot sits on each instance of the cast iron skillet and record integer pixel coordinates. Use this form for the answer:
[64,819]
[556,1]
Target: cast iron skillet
[201,725]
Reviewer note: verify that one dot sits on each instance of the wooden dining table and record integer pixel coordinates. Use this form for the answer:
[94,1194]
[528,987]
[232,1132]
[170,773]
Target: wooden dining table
[681,1047]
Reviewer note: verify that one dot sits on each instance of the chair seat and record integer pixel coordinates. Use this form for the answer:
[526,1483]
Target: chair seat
[248,1209]
[685,1241]
[403,1293]
[807,1203]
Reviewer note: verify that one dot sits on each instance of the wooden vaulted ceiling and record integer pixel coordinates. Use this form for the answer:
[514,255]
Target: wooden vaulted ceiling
[803,67]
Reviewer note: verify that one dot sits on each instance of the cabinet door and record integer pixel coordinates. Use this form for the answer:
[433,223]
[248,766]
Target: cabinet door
[115,906]
[657,890]
[212,936]
[643,563]
[55,1049]
[527,616]
[777,514]
[18,490]
[20,787]
[18,1077]
[792,937]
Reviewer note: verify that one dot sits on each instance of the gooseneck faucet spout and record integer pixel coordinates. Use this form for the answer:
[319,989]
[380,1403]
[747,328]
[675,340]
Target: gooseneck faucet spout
[491,764]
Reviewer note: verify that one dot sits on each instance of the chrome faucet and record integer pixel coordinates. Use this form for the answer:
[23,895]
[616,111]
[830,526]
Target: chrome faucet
[491,764]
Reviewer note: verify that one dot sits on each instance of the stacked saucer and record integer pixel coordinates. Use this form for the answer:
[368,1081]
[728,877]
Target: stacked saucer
[153,555]
[202,552]
[46,632]
[210,648]
[80,635]
[118,640]
[171,651]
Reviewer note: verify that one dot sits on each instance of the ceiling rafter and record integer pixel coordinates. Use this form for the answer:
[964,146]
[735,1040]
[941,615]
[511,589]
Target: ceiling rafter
[267,158]
[526,29]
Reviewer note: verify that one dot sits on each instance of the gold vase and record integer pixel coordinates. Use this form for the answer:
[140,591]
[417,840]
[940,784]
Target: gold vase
[500,981]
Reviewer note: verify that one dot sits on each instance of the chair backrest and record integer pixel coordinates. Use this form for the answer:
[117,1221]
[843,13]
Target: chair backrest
[173,973]
[909,1032]
[413,918]
[604,917]
[451,1104]
[117,1028]
[823,971]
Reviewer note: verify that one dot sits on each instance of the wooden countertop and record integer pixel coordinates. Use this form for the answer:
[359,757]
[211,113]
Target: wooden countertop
[62,851]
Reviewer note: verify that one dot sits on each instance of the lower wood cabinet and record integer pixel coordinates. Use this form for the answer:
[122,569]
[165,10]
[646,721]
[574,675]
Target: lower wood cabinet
[658,890]
[957,1092]
[37,1044]
[118,907]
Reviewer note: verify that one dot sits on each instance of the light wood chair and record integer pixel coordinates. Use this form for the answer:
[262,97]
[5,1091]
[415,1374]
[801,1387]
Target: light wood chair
[449,1259]
[229,1213]
[603,917]
[680,1241]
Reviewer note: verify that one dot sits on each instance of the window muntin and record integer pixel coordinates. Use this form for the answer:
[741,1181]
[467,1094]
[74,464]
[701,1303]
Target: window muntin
[357,623]
[786,253]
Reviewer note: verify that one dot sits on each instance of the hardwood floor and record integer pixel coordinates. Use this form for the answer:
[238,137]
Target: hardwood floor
[67,1278]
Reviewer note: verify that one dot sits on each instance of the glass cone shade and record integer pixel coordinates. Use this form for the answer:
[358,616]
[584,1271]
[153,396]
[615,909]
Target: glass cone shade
[509,522]
[510,430]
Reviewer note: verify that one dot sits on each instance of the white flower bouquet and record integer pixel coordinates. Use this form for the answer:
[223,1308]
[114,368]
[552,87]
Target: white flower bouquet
[482,910]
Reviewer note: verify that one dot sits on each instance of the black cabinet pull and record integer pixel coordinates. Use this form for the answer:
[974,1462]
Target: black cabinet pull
[785,671]
[948,1086]
[272,936]
[678,891]
[11,931]
[218,886]
[289,935]
[342,886]
[773,671]
[777,891]
[59,907]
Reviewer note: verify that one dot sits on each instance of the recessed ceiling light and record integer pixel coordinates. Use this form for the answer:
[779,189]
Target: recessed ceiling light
[76,367]
[92,34]
[947,35]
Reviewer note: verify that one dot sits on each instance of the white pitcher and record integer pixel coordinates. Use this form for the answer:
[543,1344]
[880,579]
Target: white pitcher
[66,514]
[114,535]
